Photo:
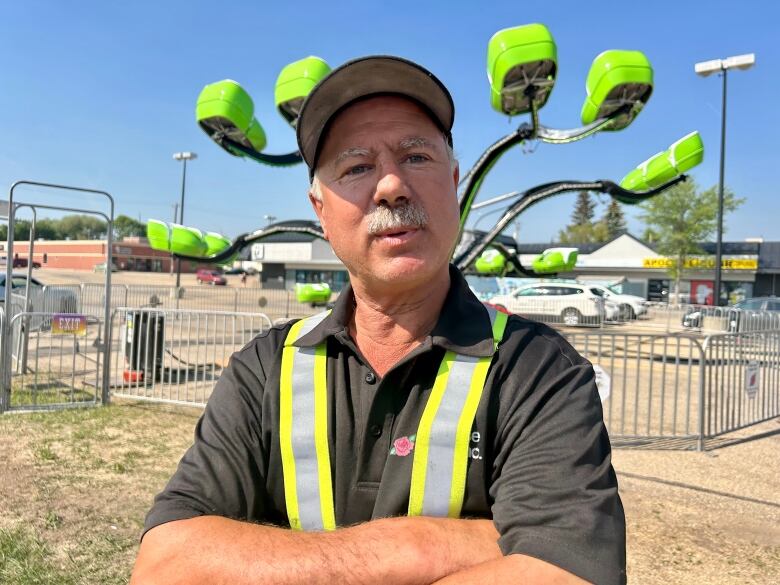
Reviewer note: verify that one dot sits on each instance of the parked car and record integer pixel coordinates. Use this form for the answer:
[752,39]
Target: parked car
[52,299]
[102,267]
[212,277]
[629,306]
[747,315]
[239,270]
[571,304]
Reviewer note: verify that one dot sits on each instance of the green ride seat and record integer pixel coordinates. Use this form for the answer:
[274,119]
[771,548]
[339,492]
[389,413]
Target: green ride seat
[555,260]
[519,60]
[687,152]
[490,262]
[294,83]
[312,292]
[175,238]
[617,79]
[661,168]
[224,108]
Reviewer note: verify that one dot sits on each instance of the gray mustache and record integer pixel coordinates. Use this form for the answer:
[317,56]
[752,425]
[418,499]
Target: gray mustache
[403,216]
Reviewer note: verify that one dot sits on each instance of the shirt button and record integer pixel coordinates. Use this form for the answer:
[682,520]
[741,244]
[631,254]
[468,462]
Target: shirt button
[370,378]
[375,430]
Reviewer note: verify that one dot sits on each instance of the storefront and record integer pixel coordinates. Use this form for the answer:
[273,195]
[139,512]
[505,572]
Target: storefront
[634,267]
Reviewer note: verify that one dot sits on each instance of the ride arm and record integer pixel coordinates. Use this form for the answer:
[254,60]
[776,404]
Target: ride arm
[251,238]
[404,550]
[541,192]
[274,160]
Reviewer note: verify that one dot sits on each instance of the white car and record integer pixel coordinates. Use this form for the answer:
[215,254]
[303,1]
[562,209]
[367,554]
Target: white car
[630,306]
[570,304]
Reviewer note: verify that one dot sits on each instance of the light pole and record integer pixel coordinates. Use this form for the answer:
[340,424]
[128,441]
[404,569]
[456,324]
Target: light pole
[704,69]
[184,157]
[269,219]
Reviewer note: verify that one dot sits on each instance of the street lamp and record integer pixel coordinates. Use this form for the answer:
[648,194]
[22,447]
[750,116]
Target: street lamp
[704,69]
[184,157]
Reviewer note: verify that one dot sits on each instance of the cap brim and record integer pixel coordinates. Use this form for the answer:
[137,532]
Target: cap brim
[362,78]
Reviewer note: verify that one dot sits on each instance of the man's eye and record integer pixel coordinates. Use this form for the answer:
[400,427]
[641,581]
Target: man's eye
[357,170]
[416,158]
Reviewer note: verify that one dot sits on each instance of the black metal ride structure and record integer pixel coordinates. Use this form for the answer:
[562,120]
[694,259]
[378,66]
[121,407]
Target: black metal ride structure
[468,190]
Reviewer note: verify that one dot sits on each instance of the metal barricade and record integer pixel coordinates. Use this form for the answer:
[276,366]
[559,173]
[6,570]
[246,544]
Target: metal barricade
[170,356]
[654,386]
[55,362]
[742,380]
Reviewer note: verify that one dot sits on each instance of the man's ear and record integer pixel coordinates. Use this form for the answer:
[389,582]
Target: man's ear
[456,175]
[317,206]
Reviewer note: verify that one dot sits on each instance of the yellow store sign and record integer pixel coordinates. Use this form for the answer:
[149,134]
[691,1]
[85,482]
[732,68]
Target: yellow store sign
[704,263]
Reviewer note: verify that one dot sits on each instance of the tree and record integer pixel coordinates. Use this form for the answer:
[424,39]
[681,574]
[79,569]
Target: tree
[581,229]
[682,217]
[125,226]
[614,220]
[82,227]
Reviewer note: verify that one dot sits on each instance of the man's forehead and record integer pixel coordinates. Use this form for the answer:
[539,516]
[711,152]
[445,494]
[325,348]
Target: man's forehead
[373,114]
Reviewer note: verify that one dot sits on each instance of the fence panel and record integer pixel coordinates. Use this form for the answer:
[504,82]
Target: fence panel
[655,386]
[52,367]
[170,356]
[743,380]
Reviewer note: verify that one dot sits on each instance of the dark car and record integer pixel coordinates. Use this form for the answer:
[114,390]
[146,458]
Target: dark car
[747,315]
[212,277]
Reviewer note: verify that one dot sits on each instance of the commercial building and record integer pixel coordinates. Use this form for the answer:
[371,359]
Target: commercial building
[749,268]
[132,253]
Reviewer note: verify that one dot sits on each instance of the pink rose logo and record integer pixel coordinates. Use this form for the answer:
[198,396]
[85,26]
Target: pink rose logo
[402,446]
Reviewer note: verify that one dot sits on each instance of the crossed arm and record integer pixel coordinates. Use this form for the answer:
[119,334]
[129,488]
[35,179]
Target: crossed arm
[215,550]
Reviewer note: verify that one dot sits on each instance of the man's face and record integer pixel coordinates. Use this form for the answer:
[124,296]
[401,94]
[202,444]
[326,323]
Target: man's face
[389,193]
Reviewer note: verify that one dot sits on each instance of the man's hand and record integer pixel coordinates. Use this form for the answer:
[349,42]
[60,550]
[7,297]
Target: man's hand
[403,550]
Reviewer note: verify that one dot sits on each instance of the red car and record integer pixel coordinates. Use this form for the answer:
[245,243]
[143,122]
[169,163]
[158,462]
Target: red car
[212,277]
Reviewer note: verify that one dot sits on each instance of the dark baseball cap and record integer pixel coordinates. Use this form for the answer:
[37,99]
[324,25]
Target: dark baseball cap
[364,77]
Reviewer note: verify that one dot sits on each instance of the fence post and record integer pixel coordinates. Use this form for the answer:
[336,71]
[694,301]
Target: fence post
[702,387]
[235,300]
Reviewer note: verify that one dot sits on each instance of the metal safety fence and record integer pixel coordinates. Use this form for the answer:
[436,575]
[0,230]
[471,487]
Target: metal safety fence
[742,384]
[170,356]
[659,390]
[89,299]
[55,361]
[679,391]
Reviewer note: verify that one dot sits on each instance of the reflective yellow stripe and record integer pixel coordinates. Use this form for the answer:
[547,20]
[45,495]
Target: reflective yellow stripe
[285,426]
[321,437]
[499,325]
[420,462]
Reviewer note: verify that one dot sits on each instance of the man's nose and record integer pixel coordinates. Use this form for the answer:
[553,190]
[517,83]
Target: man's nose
[391,188]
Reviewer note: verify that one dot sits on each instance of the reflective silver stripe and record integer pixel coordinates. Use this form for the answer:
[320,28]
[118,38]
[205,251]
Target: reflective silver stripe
[304,449]
[441,449]
[303,445]
[310,323]
[438,477]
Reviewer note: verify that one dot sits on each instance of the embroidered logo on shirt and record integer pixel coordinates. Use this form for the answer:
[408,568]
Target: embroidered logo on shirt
[402,446]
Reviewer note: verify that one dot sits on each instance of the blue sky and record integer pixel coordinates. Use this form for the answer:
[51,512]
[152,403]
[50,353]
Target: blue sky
[101,94]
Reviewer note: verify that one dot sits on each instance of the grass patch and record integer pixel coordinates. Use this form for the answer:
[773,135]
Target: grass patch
[26,560]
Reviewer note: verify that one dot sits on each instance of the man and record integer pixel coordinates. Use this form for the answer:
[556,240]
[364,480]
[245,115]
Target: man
[410,402]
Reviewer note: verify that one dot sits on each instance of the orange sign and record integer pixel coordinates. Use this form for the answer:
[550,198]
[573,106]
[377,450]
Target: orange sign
[704,263]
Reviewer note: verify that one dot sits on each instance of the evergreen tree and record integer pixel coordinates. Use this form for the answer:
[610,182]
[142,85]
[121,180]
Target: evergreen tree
[582,229]
[614,220]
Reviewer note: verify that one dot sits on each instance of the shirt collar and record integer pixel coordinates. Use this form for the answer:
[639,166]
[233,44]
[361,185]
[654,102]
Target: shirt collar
[463,326]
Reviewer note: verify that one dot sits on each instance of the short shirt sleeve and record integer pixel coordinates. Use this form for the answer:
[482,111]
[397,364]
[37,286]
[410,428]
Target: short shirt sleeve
[223,472]
[554,490]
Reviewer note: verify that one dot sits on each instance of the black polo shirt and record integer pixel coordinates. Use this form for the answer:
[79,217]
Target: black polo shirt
[539,454]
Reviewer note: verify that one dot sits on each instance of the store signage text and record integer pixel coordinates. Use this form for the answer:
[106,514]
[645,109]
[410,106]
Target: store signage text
[704,263]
